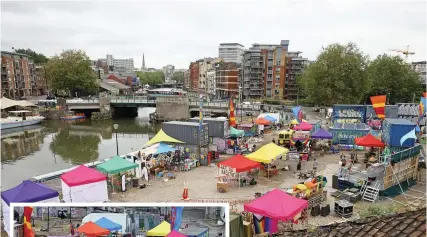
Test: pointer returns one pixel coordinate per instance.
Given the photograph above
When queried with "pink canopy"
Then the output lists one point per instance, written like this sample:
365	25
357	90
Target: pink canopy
82	175
303	126
175	233
277	205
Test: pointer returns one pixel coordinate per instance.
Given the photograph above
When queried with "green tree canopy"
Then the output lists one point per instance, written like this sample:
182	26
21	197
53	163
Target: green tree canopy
338	76
38	58
178	77
151	78
391	76
71	71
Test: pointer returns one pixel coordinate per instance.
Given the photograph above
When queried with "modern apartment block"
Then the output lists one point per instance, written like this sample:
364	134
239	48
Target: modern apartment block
420	68
112	62
231	52
227	79
269	71
20	77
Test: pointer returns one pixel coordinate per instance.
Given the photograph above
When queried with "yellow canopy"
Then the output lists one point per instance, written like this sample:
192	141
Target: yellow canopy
294	122
162	137
162	229
267	153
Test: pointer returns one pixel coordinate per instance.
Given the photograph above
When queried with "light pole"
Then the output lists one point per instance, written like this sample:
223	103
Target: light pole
241	105
116	126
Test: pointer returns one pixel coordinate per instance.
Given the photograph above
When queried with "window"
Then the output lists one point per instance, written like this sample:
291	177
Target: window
278	62
277	69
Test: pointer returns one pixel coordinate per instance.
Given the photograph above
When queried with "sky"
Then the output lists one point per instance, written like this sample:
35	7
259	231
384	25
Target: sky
179	32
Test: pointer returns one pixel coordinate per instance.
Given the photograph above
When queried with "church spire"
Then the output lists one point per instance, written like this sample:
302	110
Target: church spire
143	62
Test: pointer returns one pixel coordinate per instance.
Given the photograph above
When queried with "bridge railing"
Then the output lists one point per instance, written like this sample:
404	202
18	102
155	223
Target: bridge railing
132	99
83	101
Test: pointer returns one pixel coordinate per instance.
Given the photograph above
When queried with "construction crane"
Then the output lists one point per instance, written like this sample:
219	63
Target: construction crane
404	52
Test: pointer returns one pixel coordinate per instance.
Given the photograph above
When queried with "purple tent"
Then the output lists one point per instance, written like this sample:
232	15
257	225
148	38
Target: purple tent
28	191
321	134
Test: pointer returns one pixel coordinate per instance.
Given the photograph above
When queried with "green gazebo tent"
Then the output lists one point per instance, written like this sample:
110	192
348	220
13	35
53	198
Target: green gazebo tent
236	132
116	165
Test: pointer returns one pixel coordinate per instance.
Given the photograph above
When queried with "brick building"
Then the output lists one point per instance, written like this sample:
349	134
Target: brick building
16	80
227	79
194	76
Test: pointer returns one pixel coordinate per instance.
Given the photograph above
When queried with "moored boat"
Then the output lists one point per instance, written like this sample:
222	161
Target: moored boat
20	118
73	116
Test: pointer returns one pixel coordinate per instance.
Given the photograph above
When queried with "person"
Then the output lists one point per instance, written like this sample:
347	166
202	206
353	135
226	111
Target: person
315	164
299	165
72	229
144	172
77	231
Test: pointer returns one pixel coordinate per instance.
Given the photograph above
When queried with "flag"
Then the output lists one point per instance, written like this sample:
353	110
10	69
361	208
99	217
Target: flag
176	218
378	102
422	109
409	135
28	229
231	116
201	113
296	111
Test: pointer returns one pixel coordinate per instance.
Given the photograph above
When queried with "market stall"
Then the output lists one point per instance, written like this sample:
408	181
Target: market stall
115	166
236	132
163	229
321	134
108	224
263	125
275	206
175	233
29	192
236	168
84	184
370	141
249	128
303	126
161	136
267	154
92	230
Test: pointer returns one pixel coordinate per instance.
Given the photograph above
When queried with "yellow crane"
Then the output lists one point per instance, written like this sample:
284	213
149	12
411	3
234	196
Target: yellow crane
404	52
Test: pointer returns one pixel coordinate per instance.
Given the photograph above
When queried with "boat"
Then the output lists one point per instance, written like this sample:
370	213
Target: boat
20	118
73	117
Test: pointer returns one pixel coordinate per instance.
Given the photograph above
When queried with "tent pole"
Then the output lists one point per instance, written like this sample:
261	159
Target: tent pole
112	184
239	180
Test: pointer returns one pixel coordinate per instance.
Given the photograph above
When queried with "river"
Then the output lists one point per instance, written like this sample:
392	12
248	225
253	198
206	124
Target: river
55	144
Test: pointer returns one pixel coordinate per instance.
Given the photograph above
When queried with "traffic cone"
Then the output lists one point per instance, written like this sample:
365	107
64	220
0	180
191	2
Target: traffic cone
185	193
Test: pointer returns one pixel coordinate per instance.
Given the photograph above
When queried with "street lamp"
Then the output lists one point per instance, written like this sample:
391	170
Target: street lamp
116	126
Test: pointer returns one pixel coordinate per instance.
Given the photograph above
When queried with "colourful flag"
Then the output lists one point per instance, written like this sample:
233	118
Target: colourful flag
232	117
409	135
176	217
28	229
422	109
378	102
297	113
201	113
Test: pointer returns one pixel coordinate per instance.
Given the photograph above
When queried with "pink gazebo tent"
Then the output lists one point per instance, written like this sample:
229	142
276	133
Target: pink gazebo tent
277	205
175	233
303	126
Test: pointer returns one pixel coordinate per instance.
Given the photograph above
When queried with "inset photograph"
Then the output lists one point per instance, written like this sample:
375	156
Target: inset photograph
115	220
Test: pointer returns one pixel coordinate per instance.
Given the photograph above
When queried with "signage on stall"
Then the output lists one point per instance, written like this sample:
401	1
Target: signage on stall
228	171
293	156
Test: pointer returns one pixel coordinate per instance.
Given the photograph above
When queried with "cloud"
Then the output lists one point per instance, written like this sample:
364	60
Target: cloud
178	32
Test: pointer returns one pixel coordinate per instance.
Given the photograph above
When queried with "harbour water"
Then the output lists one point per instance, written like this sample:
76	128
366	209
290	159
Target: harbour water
55	144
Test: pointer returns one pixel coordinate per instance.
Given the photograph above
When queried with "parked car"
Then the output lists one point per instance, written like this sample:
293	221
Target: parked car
421	162
50	97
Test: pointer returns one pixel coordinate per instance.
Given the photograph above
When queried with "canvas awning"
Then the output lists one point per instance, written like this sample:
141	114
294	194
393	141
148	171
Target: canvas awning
236	132
267	153
161	136
175	233
162	229
7	103
368	141
277	205
303	126
92	229
116	165
262	121
240	163
108	224
82	175
28	191
321	134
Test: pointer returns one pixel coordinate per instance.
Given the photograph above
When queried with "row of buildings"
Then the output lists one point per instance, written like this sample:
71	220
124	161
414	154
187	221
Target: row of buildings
262	71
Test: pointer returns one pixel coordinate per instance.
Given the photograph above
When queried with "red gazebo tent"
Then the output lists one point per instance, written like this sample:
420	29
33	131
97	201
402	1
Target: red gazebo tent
277	205
303	126
93	230
368	141
240	163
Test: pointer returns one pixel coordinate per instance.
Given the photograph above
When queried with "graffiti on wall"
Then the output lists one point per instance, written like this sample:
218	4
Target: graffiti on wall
386	133
347	120
349	113
374	124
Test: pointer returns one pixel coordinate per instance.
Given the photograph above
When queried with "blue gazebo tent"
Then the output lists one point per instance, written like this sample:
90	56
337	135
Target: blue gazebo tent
270	118
163	148
108	224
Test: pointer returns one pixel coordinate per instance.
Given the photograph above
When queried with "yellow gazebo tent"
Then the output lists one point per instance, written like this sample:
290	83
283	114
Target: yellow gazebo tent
267	153
162	229
162	137
294	122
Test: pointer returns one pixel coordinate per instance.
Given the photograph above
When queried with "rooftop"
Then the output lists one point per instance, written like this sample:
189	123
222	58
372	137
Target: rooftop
399	121
227	44
13	53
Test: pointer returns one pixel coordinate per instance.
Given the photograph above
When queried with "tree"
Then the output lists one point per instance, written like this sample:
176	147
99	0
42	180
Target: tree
391	76
178	77
37	58
151	78
337	76
71	71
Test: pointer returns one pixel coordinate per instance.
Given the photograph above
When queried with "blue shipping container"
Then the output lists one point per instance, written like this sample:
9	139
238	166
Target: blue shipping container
394	129
344	134
348	113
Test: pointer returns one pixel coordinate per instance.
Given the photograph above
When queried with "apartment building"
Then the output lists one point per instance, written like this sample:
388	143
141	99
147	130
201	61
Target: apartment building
420	68
211	82
198	73
187	82
168	71
227	79
231	52
19	76
112	63
194	76
295	65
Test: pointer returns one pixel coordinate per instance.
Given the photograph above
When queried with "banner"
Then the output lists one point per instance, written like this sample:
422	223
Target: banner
378	103
176	218
201	114
232	117
28	229
297	111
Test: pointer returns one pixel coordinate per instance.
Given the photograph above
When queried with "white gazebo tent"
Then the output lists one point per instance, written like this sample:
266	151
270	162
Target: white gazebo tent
84	184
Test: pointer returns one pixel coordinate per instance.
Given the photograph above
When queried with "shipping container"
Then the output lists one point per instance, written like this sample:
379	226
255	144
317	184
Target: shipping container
391	111
348	113
218	127
188	132
394	129
344	134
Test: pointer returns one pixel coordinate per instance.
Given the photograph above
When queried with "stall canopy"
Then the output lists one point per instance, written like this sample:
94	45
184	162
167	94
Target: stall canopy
304	126
116	165
163	148
28	191
277	205
108	224
368	141
270	118
262	121
240	163
162	229
175	233
236	132
92	229
294	122
82	175
321	134
267	153
7	103
161	136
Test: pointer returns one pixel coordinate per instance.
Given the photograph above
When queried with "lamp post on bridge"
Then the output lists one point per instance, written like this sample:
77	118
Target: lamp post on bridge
116	126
